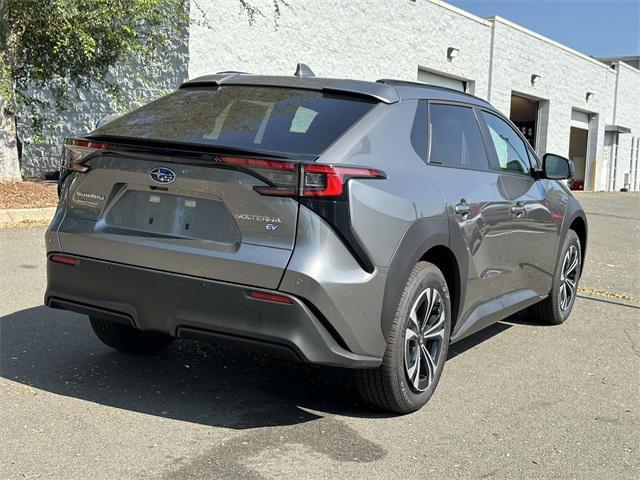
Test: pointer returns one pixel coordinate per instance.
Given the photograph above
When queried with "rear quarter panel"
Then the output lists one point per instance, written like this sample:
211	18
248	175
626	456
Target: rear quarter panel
382	214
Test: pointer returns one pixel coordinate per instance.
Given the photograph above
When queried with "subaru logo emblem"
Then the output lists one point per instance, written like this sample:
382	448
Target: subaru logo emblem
162	175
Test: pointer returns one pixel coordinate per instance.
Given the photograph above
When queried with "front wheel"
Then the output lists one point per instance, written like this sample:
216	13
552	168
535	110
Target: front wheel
556	308
417	345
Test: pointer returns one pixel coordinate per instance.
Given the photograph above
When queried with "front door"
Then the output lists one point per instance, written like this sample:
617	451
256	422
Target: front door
536	213
478	210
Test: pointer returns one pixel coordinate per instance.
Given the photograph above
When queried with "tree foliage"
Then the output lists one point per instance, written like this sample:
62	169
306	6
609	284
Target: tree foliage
59	45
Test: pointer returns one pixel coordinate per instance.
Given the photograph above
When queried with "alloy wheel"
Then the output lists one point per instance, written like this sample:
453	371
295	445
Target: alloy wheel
568	278
423	339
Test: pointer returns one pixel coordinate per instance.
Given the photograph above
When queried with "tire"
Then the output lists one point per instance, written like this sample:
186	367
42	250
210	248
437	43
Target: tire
553	310
392	386
127	339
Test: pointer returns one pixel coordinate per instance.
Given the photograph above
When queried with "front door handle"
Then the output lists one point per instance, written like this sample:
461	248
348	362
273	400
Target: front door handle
518	209
462	208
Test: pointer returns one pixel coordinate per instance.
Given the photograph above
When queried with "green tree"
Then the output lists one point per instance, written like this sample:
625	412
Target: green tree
61	45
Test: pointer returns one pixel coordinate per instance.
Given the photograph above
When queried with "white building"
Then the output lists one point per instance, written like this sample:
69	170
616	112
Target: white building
564	101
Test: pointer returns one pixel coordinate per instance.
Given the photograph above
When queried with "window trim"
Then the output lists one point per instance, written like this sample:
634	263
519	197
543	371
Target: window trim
493	162
473	109
532	151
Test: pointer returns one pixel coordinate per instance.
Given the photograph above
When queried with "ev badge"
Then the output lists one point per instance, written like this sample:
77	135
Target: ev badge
272	226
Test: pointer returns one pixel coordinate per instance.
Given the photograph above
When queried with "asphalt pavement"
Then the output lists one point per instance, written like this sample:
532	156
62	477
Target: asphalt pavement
517	400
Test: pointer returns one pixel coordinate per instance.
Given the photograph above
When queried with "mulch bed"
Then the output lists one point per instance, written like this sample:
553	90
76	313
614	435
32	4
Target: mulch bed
27	195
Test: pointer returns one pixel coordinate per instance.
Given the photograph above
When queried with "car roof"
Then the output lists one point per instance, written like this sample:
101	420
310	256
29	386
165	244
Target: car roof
420	90
384	90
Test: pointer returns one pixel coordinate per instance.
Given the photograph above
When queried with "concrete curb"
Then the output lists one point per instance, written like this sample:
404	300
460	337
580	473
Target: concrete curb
17	216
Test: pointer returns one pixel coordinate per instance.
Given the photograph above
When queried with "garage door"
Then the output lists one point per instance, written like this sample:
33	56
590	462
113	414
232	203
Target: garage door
442	80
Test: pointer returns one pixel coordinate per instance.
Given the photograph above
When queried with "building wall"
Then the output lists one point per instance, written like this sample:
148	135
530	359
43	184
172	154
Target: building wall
565	77
626	113
345	39
381	38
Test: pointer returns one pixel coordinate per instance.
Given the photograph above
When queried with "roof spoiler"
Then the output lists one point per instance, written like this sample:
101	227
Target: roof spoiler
303	78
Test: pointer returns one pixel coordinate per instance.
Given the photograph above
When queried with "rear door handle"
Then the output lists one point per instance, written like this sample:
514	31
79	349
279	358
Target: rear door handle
462	208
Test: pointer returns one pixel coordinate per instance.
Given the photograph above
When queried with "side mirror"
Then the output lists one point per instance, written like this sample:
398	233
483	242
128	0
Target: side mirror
556	167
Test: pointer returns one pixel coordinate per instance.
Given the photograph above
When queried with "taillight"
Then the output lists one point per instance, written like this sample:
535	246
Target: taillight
293	179
76	150
281	175
320	180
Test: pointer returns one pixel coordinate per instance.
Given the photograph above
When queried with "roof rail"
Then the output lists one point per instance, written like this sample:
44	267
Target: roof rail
410	83
232	71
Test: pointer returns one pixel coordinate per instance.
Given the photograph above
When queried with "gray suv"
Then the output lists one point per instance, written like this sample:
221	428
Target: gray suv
354	224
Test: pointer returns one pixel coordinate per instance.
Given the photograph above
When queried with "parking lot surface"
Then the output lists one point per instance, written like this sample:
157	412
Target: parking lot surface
518	400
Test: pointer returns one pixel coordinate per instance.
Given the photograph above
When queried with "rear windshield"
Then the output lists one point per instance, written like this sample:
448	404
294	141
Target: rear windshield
283	120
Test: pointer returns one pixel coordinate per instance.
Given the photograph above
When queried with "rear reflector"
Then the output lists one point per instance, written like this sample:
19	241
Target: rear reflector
64	259
294	179
270	297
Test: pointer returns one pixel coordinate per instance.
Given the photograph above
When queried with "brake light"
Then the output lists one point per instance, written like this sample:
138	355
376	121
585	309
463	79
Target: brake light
76	150
78	142
328	180
294	179
281	175
259	163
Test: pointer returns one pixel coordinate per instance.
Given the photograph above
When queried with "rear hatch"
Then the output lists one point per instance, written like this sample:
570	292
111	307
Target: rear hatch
202	182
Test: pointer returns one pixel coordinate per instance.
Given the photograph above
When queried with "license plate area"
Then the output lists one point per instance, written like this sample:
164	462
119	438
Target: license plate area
172	215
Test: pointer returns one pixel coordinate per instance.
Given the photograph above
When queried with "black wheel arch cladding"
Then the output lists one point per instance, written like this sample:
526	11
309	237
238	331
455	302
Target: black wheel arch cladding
422	236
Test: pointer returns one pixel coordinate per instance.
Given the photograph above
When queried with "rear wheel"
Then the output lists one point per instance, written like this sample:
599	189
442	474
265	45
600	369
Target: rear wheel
417	345
557	307
127	339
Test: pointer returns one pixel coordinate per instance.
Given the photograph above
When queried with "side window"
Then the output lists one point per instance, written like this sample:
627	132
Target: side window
509	147
455	138
419	130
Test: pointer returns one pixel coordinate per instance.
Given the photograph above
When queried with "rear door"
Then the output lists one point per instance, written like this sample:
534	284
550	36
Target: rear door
478	208
179	185
536	210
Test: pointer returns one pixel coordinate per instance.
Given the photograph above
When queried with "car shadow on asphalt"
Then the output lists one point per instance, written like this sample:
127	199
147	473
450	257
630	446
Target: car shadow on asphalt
56	351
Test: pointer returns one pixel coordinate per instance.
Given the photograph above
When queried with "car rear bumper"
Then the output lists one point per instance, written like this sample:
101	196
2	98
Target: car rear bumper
192	307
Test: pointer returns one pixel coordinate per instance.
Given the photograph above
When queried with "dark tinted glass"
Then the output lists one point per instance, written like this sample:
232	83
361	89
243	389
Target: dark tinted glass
455	137
419	130
509	147
283	120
